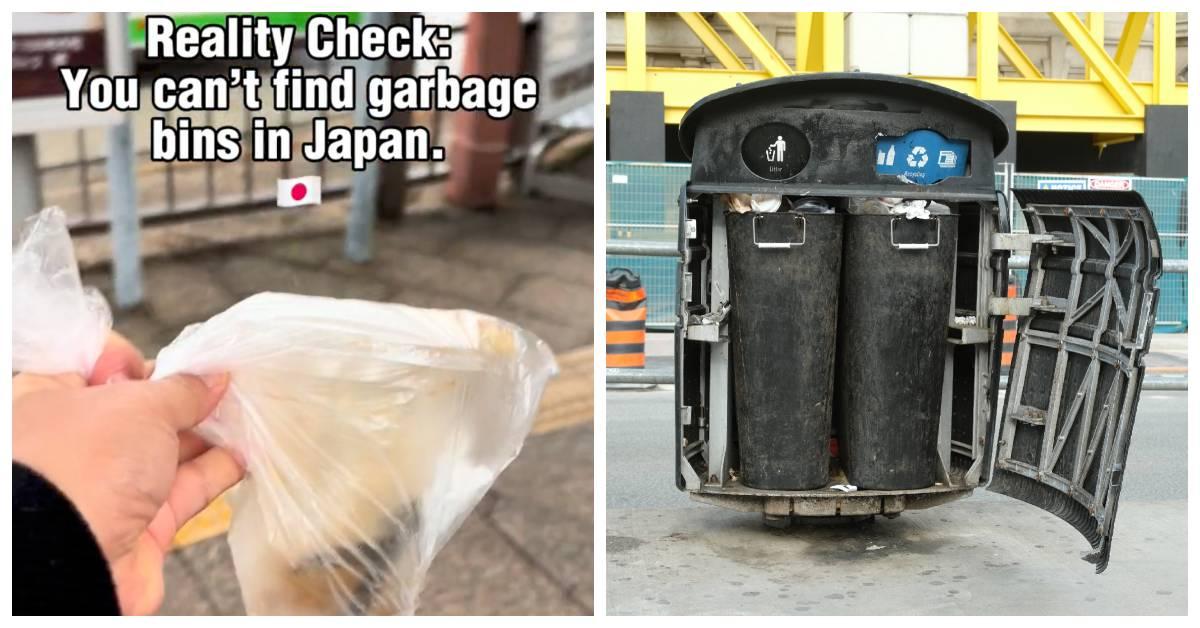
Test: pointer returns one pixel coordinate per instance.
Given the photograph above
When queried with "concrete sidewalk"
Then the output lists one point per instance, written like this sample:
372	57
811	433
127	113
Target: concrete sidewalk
527	549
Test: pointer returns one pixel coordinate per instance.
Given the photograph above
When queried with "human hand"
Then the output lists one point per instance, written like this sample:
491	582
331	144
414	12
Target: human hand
123	453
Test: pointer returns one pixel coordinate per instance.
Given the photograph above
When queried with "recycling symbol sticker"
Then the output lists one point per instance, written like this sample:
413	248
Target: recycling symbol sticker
918	157
907	157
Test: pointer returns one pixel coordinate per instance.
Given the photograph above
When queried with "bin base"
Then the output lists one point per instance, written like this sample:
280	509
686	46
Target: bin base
826	502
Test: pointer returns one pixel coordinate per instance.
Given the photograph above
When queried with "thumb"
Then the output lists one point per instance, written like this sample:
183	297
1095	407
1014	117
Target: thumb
120	358
180	401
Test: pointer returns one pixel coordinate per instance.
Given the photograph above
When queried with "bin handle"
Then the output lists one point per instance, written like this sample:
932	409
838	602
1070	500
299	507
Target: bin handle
779	245
917	246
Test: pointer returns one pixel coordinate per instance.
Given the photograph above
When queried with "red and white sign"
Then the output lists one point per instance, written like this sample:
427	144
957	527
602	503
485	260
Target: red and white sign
1110	183
41	44
298	191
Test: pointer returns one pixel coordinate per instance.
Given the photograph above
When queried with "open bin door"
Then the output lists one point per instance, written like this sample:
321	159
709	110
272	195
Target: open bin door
1077	368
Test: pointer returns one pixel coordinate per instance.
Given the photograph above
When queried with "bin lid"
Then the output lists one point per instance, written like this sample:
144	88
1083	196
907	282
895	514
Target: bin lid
785	88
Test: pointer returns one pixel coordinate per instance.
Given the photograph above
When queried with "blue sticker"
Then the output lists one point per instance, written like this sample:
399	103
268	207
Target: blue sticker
921	157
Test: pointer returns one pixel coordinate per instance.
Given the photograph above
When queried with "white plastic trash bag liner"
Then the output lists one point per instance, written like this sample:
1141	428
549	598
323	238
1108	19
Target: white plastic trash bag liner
369	431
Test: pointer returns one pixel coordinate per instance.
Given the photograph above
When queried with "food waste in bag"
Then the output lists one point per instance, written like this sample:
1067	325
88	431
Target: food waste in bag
369	430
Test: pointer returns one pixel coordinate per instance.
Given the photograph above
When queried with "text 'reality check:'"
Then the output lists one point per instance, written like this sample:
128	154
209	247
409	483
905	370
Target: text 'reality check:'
328	37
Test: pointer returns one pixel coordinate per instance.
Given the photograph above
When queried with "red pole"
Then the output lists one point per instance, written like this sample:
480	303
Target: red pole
479	144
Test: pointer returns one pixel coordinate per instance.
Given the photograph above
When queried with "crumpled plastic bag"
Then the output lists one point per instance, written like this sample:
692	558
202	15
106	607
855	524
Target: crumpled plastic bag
369	431
758	203
918	209
58	325
911	209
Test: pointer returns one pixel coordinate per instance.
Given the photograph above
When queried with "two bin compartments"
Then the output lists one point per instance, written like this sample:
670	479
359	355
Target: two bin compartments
845	312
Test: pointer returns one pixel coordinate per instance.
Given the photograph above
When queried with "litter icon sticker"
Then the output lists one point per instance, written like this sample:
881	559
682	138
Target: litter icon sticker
775	151
921	157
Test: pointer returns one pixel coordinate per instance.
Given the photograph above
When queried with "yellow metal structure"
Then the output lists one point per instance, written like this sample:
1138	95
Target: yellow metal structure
1107	103
635	52
987	59
1113	79
711	40
759	47
826	40
1016	56
1164	58
1131	39
1095	24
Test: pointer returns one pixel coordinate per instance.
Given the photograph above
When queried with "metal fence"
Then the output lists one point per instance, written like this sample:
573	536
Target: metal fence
1167	200
70	171
643	207
84	172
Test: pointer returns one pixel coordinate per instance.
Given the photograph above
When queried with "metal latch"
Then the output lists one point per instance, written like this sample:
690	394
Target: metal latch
1024	241
689	229
1016	306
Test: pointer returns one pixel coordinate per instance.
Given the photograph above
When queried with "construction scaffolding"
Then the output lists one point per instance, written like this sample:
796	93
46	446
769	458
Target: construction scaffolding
1106	102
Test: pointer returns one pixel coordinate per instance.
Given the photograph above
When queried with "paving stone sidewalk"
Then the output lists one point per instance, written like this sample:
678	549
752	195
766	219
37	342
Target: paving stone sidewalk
527	549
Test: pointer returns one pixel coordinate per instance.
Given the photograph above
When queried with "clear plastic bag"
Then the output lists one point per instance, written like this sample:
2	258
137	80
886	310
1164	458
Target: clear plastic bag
58	325
369	431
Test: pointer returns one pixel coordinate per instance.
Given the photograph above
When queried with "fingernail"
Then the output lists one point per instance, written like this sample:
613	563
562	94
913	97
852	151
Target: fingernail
119	376
215	380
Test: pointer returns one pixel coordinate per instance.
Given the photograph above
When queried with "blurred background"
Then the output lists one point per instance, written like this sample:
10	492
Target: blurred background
503	226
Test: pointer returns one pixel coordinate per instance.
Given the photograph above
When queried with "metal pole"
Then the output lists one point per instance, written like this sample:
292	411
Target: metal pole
667	377
124	228
364	187
642	248
638	376
392	192
649	248
26	182
1180	266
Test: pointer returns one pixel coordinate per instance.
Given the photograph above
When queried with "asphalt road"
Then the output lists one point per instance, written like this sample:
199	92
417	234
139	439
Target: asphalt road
986	554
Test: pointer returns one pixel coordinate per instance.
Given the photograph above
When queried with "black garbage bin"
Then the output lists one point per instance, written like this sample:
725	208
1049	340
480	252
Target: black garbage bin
847	335
784	269
895	309
904	171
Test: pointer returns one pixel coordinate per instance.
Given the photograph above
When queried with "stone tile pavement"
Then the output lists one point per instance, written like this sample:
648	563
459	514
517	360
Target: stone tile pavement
527	549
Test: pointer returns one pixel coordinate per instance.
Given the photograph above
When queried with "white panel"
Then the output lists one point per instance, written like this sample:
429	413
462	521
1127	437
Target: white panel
877	42
938	44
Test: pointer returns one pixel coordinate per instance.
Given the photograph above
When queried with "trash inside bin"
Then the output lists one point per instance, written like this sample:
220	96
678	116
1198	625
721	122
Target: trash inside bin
784	293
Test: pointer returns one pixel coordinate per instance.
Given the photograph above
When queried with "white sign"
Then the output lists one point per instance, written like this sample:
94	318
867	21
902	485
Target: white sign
1110	183
1061	184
